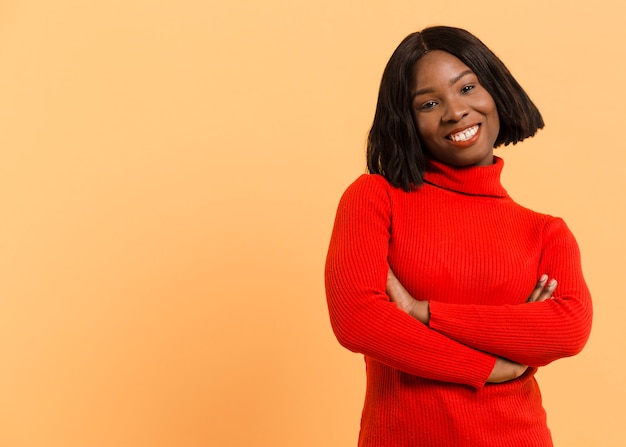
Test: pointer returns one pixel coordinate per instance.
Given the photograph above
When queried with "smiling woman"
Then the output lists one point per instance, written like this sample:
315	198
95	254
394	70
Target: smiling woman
394	136
435	274
455	117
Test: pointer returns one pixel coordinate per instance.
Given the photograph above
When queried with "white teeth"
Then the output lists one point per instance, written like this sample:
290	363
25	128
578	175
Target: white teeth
465	135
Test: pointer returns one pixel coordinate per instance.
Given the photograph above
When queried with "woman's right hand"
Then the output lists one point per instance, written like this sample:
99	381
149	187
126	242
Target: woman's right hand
505	370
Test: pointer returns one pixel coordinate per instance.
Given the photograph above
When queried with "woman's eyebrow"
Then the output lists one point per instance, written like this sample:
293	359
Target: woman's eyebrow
453	81
456	79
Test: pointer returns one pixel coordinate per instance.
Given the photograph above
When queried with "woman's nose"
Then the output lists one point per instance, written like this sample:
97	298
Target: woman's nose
455	110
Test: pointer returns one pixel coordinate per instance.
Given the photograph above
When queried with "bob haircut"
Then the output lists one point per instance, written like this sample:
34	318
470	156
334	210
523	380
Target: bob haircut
394	149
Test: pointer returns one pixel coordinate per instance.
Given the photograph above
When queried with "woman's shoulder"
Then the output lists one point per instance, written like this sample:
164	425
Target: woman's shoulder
554	226
368	184
548	223
370	181
366	190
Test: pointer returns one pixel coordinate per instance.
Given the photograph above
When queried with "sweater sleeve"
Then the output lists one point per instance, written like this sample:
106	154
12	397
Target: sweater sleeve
533	334
361	314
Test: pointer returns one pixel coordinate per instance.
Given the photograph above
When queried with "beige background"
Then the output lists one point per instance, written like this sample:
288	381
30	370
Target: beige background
169	174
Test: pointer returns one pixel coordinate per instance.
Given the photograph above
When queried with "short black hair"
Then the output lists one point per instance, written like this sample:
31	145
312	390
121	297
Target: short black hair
393	146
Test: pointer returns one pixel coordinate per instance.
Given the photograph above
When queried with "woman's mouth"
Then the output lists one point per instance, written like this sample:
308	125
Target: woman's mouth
464	135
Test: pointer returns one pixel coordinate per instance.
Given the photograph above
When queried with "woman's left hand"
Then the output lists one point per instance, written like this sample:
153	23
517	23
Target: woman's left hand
405	302
543	290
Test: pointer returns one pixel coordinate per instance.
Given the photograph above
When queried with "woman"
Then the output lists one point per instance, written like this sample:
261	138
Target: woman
447	286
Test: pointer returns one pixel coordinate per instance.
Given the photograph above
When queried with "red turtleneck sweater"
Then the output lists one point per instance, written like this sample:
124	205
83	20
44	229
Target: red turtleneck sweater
460	242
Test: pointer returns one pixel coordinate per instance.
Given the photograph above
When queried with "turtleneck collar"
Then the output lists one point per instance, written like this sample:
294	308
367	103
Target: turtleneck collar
473	180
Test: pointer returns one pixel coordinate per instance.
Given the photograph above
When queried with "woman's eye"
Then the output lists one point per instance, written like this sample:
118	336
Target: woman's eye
467	88
428	105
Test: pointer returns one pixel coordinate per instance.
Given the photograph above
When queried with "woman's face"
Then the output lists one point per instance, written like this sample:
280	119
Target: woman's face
456	118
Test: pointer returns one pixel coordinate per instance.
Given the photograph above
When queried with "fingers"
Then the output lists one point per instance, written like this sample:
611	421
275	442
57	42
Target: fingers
390	279
539	287
394	286
543	290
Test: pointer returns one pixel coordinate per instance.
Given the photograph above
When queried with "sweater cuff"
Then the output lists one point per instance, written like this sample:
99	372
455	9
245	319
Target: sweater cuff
444	318
483	369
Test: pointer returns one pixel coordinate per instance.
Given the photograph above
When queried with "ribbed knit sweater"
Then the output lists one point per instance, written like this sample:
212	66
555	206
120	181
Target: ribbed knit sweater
460	242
